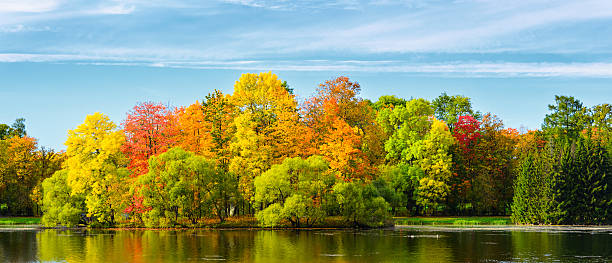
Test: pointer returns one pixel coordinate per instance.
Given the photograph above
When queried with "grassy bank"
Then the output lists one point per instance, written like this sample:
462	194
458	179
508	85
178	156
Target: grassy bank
243	222
458	221
19	220
329	222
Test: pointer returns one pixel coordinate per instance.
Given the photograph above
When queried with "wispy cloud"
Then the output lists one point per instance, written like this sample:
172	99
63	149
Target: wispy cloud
23	28
167	33
296	4
456	27
28	6
114	9
448	69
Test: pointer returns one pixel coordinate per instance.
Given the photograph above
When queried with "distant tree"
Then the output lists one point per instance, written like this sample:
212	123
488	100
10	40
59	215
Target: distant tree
449	108
16	129
567	119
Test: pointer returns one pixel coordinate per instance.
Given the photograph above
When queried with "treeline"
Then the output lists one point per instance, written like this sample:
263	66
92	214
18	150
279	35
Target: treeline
258	151
23	166
565	174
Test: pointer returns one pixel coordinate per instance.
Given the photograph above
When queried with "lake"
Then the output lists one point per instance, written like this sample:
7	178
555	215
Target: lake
400	244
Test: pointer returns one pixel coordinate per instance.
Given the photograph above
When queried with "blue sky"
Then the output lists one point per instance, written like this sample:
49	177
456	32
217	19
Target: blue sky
63	59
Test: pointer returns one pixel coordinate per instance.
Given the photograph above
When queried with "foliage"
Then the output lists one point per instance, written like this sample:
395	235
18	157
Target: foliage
62	207
150	129
450	108
97	168
294	191
16	129
206	128
266	127
361	205
23	166
257	153
183	186
566	184
344	129
567	119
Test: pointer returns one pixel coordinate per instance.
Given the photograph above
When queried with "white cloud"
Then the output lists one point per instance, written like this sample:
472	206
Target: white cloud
28	6
449	69
23	28
117	9
459	26
296	4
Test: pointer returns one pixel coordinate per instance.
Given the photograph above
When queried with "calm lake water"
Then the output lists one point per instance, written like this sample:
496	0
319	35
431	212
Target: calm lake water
402	244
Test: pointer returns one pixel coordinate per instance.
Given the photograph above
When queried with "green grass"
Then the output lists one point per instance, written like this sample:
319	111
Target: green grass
457	221
19	220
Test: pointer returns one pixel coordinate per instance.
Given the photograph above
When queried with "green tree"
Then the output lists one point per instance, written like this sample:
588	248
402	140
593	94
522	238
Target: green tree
567	119
61	206
402	181
181	186
361	205
18	129
294	191
388	101
449	108
566	183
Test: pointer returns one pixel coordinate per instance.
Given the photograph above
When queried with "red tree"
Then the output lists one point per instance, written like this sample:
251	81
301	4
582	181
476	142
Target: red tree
467	132
150	129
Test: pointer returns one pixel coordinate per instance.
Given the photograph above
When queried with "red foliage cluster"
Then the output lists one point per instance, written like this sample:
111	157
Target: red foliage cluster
149	130
467	132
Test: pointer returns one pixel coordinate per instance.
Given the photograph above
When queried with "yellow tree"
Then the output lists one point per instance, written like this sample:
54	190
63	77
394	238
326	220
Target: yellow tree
432	155
18	173
96	167
267	127
219	114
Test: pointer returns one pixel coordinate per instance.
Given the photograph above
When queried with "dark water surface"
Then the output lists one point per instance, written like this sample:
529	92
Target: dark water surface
402	244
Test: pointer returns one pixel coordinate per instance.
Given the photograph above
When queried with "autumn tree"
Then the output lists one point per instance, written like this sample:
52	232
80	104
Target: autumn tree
267	127
345	130
18	174
207	128
96	167
150	129
496	170
419	139
466	159
23	166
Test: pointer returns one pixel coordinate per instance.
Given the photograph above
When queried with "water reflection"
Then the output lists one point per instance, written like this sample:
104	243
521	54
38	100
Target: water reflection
403	244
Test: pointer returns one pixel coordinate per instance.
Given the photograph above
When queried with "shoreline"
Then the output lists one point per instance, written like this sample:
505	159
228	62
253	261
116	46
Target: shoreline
522	228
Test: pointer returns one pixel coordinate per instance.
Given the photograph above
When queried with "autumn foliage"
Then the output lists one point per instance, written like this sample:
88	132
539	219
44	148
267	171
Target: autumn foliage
150	129
263	151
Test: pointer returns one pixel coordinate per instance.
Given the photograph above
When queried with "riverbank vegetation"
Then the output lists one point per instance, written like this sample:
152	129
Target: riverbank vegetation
19	220
260	153
453	220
